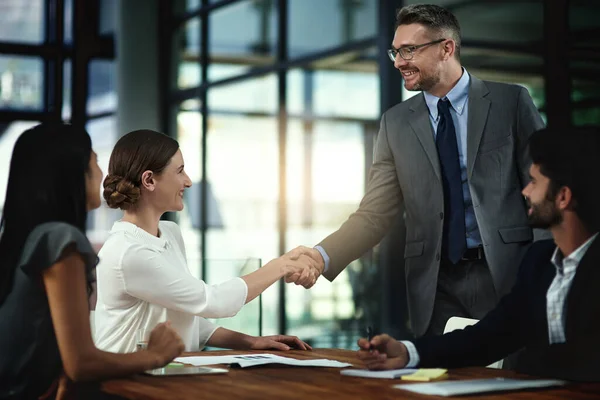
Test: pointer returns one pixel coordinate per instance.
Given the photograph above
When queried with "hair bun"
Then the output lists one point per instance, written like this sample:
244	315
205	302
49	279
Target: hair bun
120	192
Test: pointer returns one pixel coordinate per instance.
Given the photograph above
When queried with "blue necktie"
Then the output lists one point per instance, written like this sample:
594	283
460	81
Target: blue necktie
454	242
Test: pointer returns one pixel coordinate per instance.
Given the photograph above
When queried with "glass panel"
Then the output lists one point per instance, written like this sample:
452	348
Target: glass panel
102	95
103	132
21	82
108	17
189	136
505	22
584	23
186	54
182	6
242	168
248	318
501	59
67	76
325	183
243	178
68	32
9	133
345	86
22	21
584	63
253	95
332	23
252	42
585	96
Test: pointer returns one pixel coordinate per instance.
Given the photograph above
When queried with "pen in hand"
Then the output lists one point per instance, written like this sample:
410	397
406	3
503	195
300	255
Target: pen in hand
369	336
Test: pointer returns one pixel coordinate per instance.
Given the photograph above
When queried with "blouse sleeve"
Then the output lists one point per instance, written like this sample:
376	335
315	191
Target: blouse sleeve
46	244
147	277
207	329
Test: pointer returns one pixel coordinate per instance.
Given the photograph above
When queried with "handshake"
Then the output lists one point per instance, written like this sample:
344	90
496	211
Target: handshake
302	266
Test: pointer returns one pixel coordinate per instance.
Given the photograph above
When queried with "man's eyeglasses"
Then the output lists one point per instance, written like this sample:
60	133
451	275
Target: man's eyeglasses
408	52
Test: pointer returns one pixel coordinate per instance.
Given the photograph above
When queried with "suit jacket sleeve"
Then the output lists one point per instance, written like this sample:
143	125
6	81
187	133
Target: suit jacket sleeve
501	332
367	226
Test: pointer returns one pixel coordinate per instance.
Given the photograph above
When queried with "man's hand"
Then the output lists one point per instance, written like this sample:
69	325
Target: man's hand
308	277
383	352
279	342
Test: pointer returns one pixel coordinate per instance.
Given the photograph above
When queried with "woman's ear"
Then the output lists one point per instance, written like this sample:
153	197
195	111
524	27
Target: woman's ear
148	181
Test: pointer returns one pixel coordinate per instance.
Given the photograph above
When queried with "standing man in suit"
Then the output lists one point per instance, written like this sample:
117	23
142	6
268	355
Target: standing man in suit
553	311
456	158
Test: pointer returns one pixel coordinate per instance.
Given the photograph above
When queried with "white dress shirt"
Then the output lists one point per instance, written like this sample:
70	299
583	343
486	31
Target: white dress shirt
143	280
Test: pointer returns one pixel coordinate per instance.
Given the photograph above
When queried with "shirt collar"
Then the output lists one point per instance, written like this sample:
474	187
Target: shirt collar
139	233
457	96
574	258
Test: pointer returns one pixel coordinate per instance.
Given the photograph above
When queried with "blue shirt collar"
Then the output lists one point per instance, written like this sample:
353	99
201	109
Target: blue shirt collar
457	96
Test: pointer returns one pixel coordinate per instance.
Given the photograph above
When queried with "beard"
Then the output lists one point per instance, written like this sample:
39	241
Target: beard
425	83
544	215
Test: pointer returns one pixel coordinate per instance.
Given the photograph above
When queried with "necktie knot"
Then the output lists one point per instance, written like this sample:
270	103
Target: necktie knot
443	106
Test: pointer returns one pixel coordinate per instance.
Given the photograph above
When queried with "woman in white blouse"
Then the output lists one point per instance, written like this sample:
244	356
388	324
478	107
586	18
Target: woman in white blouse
143	278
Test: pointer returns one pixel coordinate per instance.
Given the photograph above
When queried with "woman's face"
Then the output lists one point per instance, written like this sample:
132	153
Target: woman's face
170	185
93	181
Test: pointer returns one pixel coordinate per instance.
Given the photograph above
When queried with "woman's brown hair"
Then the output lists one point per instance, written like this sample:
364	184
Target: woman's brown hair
136	152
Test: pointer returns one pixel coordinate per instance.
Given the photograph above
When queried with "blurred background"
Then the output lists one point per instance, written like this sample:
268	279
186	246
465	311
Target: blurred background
276	105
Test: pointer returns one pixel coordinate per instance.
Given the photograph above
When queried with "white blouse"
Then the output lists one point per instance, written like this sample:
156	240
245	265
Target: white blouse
143	280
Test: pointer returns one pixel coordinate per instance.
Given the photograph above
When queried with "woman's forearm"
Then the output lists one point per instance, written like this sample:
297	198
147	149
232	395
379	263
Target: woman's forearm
99	364
228	339
261	279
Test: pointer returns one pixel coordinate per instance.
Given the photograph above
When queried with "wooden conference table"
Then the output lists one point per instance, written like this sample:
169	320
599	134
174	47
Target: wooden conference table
285	382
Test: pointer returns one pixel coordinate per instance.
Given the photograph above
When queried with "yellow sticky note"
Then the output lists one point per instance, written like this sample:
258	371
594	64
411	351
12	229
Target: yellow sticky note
426	374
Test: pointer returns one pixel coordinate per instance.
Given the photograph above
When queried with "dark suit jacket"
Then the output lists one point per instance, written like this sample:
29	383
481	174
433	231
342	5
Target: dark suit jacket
406	175
519	322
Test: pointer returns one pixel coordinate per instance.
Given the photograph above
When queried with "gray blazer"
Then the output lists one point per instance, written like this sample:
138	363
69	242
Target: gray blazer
406	171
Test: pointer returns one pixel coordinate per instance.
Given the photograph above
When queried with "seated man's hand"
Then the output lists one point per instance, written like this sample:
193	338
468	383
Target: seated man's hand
308	277
383	352
279	342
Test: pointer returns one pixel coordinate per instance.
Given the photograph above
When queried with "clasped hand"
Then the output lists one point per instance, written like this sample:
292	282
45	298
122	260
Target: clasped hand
311	266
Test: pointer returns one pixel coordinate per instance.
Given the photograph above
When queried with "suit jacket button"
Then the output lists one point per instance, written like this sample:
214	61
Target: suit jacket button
441	215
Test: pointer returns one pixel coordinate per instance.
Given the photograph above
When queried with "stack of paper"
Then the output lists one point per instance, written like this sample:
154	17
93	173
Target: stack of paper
457	388
252	360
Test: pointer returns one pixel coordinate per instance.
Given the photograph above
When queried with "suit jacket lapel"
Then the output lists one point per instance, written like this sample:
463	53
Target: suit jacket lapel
421	125
479	108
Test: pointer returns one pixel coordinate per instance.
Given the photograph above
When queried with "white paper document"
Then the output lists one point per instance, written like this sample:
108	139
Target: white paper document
390	374
457	388
252	360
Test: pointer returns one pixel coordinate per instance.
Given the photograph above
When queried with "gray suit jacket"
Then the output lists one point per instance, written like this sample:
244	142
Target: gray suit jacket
406	171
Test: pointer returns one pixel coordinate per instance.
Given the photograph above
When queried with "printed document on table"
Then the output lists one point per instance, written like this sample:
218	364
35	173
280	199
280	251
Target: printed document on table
458	388
252	360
